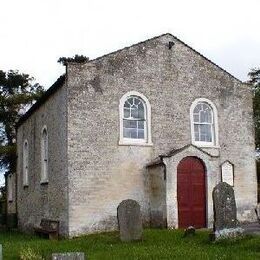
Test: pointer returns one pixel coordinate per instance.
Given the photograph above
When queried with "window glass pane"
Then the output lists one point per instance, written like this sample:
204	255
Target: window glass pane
130	133
208	133
130	101
141	111
136	101
126	112
205	116
140	124
45	144
196	118
205	133
130	124
126	133
126	105
197	108
196	132
133	133
134	112
140	133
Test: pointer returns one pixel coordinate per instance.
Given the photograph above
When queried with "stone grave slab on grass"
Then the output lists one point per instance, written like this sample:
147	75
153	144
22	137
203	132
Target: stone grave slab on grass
225	212
69	256
129	220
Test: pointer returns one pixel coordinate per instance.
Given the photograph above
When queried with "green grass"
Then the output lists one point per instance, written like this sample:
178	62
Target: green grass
156	244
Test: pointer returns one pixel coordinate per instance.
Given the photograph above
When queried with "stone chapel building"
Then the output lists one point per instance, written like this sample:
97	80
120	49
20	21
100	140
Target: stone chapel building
156	122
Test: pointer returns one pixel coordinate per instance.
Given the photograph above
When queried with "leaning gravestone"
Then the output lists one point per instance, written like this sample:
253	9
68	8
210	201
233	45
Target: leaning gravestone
225	212
68	256
129	220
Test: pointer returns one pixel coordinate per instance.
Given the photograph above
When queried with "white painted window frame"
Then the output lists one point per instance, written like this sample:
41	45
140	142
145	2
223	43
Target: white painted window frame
147	141
44	163
215	140
10	188
25	163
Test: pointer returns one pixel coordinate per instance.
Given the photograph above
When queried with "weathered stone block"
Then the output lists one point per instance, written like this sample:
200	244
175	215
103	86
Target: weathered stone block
69	256
225	212
129	220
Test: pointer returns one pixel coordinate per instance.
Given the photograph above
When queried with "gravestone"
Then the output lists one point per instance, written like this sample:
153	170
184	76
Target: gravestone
69	256
1	253
225	212
227	173
129	220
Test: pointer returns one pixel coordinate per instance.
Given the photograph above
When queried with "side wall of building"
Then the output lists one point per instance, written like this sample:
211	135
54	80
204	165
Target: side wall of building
102	172
49	200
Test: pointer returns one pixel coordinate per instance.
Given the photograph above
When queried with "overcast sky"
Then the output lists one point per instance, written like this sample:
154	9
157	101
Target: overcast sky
35	33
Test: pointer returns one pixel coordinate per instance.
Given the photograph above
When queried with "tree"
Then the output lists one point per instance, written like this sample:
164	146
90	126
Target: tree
17	94
254	75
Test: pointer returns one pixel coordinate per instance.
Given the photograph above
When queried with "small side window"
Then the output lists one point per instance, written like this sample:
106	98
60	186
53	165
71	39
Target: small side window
10	188
44	156
25	163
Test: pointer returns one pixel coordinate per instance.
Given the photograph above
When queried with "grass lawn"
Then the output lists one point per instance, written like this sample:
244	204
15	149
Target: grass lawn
156	244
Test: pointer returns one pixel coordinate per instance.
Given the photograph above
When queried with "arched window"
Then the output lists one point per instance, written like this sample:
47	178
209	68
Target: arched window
10	188
135	119
25	163
44	156
204	123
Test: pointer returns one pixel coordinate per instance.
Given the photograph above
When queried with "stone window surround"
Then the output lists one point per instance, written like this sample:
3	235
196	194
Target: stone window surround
215	142
44	175
138	142
25	163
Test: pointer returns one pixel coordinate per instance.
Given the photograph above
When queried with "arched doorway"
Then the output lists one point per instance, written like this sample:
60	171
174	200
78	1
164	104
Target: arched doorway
191	193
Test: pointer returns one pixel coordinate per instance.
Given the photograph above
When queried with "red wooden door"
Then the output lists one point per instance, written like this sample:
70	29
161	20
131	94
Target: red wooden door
191	193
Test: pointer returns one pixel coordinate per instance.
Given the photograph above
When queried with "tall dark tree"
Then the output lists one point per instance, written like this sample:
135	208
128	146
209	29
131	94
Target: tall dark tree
17	94
254	75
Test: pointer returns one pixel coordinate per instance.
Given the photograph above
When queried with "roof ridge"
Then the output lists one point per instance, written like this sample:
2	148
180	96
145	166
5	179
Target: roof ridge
130	46
161	35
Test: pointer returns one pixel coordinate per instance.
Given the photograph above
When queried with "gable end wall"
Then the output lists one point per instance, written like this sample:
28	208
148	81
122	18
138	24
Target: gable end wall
102	173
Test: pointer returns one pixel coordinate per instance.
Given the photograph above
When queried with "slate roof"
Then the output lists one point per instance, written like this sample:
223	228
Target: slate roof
58	83
159	160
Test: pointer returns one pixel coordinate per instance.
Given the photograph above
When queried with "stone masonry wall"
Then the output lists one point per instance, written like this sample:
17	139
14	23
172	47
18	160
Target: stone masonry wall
50	200
102	173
